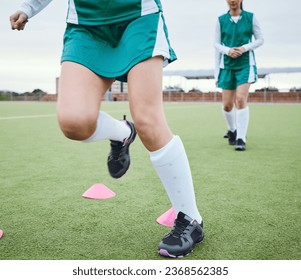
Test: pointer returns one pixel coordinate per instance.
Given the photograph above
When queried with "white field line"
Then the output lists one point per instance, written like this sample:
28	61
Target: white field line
109	111
27	117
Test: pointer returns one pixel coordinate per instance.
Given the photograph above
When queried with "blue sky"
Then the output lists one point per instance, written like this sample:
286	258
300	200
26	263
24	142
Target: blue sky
30	59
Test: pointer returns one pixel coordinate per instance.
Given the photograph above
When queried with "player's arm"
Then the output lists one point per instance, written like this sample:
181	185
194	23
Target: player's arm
28	9
217	64
232	52
257	35
217	41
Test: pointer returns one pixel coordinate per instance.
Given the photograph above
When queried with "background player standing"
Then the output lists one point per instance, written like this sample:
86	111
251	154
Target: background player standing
235	67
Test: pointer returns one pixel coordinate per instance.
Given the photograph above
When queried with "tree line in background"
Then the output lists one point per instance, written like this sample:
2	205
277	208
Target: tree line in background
36	94
292	94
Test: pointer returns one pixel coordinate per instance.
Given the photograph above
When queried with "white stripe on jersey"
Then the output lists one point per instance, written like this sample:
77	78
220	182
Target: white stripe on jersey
148	7
72	14
251	58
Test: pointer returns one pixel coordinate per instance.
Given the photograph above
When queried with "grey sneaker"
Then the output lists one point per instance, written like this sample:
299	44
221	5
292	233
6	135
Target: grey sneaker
119	157
181	240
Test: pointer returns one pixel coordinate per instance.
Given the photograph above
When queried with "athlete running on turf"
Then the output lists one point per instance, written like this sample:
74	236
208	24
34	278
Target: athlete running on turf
128	41
236	68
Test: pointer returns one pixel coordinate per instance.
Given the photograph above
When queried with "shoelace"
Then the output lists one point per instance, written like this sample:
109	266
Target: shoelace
179	228
116	147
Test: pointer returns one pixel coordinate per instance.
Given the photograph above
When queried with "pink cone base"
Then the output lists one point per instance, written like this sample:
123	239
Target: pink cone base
98	191
1	233
167	219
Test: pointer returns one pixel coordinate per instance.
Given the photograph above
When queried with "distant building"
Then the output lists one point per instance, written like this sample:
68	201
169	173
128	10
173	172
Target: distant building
119	87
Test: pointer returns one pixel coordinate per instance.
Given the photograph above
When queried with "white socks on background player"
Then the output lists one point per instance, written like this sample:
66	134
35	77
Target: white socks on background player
230	118
238	119
242	123
172	167
109	128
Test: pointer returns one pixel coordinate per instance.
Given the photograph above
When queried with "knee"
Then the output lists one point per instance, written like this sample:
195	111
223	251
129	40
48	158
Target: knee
75	126
153	131
228	107
241	102
144	127
150	128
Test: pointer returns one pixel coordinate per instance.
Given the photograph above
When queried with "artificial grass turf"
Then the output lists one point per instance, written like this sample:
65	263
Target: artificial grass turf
250	201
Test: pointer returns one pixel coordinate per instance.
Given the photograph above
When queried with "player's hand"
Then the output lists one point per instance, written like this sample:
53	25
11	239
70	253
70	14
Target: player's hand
234	53
240	50
18	20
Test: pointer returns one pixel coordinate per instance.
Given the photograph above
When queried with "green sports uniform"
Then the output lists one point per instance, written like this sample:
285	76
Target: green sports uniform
241	70
111	36
230	79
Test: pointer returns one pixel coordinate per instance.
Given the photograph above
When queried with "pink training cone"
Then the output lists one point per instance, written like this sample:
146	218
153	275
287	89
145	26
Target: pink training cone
98	191
167	219
1	233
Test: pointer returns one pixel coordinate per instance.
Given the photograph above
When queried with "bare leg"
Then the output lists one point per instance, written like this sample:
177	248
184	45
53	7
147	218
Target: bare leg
242	93
228	99
79	100
167	152
146	103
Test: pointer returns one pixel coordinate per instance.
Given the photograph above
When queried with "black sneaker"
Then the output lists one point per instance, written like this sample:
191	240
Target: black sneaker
240	145
226	135
119	156
232	137
181	240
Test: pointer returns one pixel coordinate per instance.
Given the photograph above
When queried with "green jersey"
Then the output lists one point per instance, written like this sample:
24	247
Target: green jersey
236	34
99	12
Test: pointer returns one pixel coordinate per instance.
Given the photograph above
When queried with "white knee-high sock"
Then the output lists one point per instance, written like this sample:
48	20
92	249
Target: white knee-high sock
242	123
230	118
109	128
172	167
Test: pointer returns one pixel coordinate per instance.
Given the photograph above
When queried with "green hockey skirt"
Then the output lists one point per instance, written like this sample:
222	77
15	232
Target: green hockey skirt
112	50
